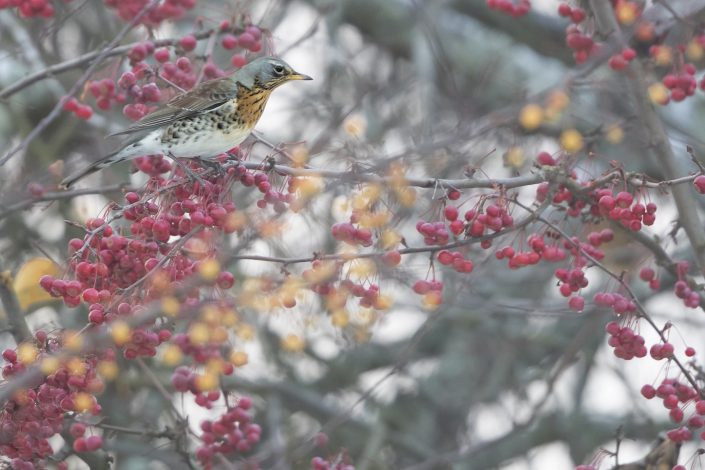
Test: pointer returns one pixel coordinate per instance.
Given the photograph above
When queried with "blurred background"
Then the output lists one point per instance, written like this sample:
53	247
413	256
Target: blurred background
503	374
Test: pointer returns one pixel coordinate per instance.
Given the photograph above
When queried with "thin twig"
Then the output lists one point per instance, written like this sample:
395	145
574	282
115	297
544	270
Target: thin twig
84	59
60	196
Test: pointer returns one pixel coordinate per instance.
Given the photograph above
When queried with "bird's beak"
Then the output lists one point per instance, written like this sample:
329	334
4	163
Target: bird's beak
299	76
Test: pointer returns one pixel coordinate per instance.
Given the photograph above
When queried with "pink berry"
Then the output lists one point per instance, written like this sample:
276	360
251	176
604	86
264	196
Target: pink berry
576	303
564	9
188	43
648	392
77	429
91	296
84	112
238	60
162	54
699	183
229	41
94	443
646	274
450	213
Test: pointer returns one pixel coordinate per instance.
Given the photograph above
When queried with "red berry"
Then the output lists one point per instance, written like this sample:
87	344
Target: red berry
94	443
84	112
229	41
699	183
188	43
545	158
617	62
576	303
676	415
421	287
646	274
577	15
91	296
71	105
648	392
700	407
238	60
10	355
391	258
564	9
453	194
451	213
77	430
96	317
162	54
629	54
79	445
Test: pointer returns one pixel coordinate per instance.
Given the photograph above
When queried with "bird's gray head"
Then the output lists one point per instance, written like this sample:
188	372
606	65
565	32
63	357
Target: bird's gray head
267	73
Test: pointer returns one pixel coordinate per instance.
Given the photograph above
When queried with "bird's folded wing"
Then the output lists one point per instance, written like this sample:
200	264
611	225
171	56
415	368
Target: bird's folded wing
205	97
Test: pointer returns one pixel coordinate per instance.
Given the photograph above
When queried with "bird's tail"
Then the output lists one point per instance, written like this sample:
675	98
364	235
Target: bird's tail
98	165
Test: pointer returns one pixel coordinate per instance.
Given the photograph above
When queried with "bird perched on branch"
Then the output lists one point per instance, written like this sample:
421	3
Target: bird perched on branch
206	121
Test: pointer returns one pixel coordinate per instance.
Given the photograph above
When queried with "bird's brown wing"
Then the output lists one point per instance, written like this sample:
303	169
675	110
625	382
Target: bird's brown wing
205	97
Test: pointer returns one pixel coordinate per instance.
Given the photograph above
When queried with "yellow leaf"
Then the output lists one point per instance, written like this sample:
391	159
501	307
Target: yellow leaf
26	283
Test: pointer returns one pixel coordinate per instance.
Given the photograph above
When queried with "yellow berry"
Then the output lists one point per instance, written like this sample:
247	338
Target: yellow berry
432	300
76	366
83	402
27	353
531	117
72	340
664	56
299	155
49	365
199	334
557	101
694	51
108	369
171	306
571	140
658	93
627	12
340	319
120	332
293	343
514	158
615	134
355	125
239	358
209	269
207	382
172	355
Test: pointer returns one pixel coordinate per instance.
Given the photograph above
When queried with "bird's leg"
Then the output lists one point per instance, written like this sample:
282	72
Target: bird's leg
213	165
191	175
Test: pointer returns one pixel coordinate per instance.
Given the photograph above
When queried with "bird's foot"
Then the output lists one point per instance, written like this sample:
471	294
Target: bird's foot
213	165
193	176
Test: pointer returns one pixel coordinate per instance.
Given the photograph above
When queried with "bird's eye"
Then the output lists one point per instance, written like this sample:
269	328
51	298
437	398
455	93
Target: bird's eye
279	70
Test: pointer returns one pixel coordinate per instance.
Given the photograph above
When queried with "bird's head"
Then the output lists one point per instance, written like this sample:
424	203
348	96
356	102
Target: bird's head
268	73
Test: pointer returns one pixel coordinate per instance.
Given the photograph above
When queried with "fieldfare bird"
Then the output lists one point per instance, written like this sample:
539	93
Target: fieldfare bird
206	121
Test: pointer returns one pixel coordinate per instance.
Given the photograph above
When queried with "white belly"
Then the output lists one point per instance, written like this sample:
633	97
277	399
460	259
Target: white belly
198	145
206	146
